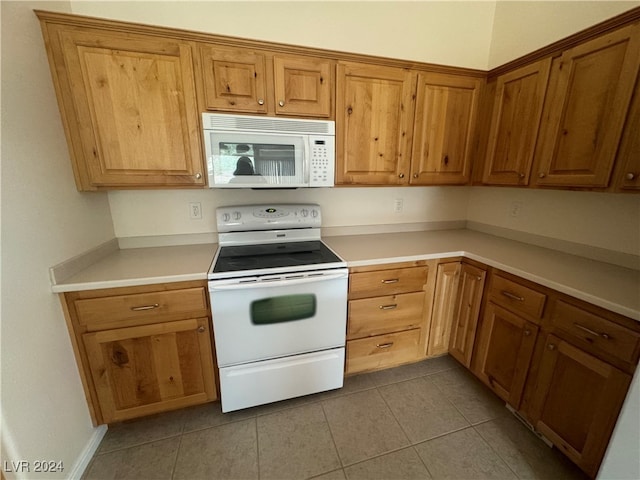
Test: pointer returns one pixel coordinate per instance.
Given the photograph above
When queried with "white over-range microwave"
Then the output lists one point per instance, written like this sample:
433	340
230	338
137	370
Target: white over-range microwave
266	152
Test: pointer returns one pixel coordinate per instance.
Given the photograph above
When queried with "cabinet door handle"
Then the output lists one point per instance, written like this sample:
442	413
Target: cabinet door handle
145	307
630	176
551	346
201	329
512	296
281	103
260	101
527	333
401	175
385	345
391	280
591	332
388	307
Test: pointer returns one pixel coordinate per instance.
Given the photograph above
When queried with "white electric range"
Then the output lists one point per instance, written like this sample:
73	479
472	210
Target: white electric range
279	305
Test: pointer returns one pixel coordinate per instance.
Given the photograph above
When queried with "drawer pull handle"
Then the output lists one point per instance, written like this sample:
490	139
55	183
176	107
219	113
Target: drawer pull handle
512	296
388	307
385	345
145	307
591	332
391	280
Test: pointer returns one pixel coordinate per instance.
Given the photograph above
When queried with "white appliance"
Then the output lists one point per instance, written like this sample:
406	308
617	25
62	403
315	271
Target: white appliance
265	152
279	305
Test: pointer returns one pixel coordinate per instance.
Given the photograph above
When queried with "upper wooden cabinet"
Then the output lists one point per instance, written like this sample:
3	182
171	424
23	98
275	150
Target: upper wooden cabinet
515	120
374	114
445	119
627	174
248	81
128	107
590	88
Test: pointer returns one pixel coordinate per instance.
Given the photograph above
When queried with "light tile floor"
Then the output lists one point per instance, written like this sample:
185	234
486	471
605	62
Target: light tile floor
430	419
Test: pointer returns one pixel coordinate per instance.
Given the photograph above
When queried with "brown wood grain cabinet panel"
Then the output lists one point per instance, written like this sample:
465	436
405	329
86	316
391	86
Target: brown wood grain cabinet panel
444	307
373	316
234	80
151	368
383	351
374	115
628	161
303	86
576	402
444	126
504	351
515	121
465	321
129	107
590	89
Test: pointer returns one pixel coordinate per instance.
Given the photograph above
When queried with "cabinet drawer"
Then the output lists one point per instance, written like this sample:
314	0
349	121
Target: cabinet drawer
387	282
107	312
382	350
599	332
373	316
516	297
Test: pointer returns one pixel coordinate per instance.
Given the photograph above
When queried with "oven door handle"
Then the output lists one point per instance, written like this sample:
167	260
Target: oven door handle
213	287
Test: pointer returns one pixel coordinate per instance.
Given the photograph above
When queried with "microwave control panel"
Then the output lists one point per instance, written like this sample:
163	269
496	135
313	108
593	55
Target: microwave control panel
322	161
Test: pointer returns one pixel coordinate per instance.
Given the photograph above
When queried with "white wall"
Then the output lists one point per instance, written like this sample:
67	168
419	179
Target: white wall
451	33
44	221
520	27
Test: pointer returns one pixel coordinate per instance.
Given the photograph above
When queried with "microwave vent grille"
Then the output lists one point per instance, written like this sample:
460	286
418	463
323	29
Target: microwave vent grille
267	124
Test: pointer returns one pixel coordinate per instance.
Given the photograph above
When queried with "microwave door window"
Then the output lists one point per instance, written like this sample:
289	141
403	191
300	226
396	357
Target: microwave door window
256	160
277	162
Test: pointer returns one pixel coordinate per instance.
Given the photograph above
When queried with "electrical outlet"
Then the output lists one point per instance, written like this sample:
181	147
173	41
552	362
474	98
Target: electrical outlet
516	208
398	205
195	211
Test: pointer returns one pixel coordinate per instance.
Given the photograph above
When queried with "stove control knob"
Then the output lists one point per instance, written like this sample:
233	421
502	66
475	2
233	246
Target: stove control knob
226	217
304	212
237	215
314	213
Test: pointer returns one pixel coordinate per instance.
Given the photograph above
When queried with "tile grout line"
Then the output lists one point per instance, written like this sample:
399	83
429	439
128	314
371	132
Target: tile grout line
175	460
255	420
332	437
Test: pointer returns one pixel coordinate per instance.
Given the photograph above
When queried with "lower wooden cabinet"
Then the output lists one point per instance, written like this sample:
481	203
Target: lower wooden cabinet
465	321
444	308
576	401
503	354
150	368
142	350
387	314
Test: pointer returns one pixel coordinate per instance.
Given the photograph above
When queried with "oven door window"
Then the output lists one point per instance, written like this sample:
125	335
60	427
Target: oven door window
255	159
285	308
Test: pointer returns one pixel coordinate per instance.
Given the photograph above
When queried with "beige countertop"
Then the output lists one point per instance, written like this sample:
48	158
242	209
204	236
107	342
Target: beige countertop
609	286
143	266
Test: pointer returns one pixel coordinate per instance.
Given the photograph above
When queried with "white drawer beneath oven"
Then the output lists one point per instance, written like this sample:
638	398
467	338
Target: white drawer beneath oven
252	384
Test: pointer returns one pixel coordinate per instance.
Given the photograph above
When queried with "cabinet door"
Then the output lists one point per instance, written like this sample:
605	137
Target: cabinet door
303	86
628	161
444	307
465	321
446	110
148	369
131	106
374	111
517	109
233	79
504	351
576	402
590	90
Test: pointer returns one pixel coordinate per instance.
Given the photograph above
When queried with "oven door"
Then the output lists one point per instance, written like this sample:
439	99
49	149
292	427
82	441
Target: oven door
256	160
270	317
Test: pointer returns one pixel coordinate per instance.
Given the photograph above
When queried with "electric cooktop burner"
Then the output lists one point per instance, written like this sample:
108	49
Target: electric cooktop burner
274	255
